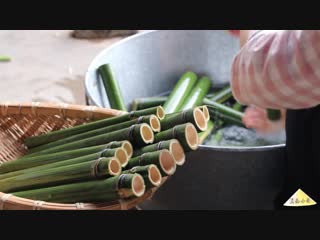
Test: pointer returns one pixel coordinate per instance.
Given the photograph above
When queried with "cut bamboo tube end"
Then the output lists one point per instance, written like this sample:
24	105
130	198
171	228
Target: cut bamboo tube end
154	175
206	112
191	135
160	112
155	123
114	167
146	133
177	151
128	147
138	186
122	156
167	162
200	119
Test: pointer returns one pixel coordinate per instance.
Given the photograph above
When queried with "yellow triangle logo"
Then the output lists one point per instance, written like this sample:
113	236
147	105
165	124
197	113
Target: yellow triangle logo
299	199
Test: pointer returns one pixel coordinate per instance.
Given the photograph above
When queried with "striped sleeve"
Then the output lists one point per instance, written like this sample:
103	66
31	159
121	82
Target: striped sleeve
278	69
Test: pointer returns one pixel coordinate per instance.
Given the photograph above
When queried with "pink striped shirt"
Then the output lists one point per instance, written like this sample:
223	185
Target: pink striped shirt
278	69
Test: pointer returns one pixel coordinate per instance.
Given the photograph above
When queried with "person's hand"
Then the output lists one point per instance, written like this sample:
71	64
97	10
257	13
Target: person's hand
257	118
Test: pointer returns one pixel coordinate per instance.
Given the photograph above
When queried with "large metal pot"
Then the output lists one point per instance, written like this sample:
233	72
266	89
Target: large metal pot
149	64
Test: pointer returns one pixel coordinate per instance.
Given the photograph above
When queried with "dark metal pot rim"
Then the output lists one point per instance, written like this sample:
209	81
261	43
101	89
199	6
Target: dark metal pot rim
241	149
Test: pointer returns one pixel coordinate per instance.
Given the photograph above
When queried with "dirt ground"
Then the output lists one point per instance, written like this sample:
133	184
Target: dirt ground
46	65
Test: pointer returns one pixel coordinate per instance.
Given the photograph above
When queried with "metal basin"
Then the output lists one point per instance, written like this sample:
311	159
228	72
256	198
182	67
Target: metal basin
149	64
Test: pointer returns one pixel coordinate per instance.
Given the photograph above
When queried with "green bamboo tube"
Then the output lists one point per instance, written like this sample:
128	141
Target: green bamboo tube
196	96
84	151
148	102
274	114
111	87
42	163
150	173
222	96
118	153
139	135
111	189
238	107
173	145
63	133
211	94
5	59
205	111
96	169
204	135
180	92
152	120
194	116
79	152
163	159
186	134
222	109
29	161
225	118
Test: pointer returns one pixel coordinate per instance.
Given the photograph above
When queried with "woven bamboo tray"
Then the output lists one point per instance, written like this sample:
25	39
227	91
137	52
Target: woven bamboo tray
18	121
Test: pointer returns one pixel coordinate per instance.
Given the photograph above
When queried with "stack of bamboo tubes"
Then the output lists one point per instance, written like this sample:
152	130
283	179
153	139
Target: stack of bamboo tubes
106	160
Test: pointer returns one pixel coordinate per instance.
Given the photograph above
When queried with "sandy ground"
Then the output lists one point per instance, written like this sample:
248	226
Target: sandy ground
46	66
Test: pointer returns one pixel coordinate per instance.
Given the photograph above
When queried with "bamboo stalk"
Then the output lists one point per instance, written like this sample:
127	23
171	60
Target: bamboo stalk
101	168
140	135
238	107
180	92
63	133
224	110
163	159
196	96
194	116
5	59
81	152
204	135
111	87
222	96
78	152
205	111
211	94
225	118
173	145
111	189
148	102
32	161
118	153
150	173
186	134
152	120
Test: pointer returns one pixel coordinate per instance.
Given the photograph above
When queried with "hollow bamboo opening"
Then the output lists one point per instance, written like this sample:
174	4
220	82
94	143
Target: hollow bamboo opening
155	124
154	175
206	113
160	113
147	133
167	162
178	153
191	136
128	147
122	155
138	186
200	119
114	167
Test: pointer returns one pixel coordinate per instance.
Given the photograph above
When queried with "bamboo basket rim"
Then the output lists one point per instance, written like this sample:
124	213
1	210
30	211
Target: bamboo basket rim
63	110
